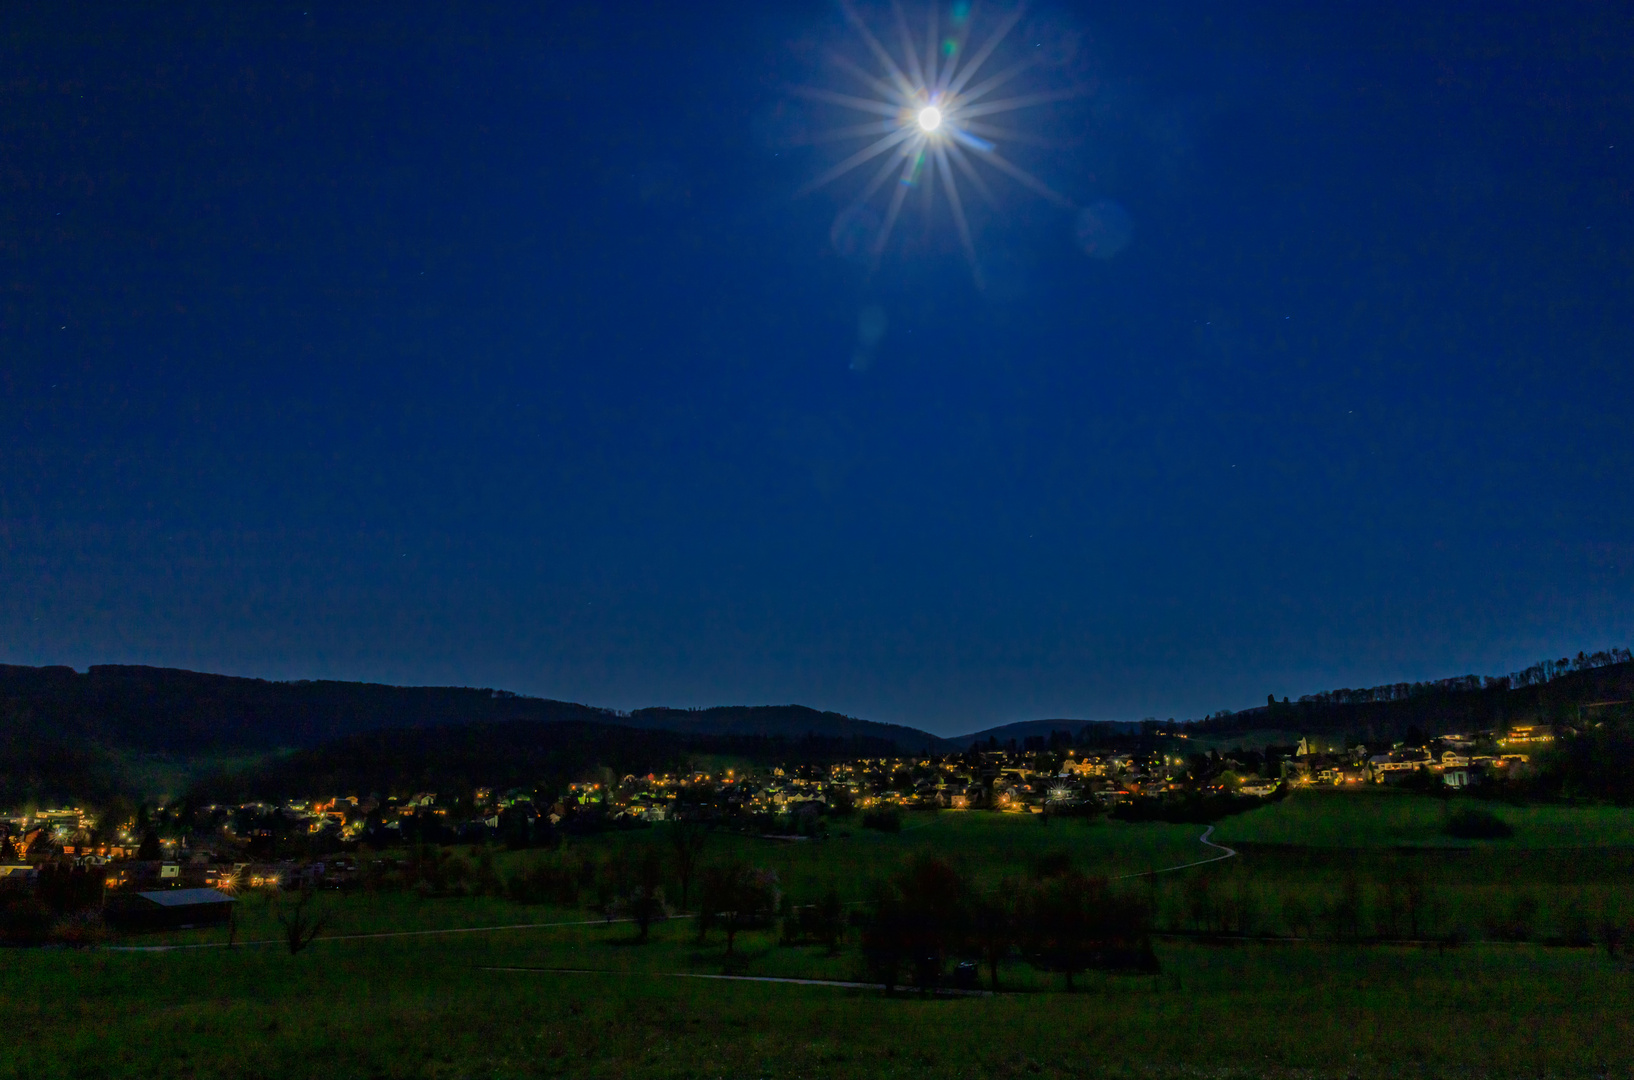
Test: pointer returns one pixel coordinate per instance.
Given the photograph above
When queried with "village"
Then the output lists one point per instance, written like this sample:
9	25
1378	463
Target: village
206	855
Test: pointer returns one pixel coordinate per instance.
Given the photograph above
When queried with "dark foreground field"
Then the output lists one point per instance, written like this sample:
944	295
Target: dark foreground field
1240	992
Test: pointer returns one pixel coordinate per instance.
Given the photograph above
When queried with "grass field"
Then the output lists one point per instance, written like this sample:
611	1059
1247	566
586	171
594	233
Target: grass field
1376	817
488	1004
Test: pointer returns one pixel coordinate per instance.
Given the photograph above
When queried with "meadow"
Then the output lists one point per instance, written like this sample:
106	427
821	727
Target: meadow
579	997
1384	817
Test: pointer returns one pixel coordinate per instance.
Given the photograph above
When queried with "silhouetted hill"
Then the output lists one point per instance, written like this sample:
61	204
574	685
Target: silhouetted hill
170	710
74	735
514	753
1084	731
84	736
786	721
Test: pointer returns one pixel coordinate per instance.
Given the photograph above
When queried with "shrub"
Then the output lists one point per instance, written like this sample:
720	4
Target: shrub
548	881
81	929
1516	924
24	920
885	820
1470	823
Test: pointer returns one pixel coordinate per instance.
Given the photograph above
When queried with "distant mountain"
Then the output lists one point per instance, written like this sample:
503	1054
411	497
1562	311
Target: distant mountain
168	710
786	721
175	711
1084	731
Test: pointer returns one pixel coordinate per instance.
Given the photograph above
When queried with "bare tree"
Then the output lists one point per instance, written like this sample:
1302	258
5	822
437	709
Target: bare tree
303	923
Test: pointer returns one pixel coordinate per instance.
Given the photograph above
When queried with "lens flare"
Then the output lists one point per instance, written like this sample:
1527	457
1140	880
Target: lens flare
930	126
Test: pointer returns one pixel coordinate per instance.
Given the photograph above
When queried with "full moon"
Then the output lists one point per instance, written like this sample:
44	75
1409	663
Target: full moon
930	118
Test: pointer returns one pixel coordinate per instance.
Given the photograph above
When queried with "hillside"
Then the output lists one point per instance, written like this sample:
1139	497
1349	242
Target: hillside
86	735
783	721
1094	731
140	730
512	753
1451	705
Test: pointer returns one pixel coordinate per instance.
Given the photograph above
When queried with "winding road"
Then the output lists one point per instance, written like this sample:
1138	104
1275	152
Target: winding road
1230	853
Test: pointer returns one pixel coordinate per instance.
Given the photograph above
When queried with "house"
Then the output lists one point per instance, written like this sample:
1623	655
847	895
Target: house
1397	764
17	874
1457	778
169	909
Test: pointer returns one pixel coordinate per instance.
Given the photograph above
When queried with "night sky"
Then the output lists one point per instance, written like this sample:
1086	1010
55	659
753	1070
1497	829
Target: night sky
463	344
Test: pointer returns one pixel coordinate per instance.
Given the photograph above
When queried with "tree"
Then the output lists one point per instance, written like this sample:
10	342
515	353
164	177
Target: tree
687	839
991	929
1416	898
885	936
830	919
918	916
1296	915
117	813
733	896
149	850
1056	932
646	901
1201	903
1074	922
302	923
1344	912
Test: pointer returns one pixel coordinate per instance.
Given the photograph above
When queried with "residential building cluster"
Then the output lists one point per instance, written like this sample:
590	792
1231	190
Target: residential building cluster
1458	760
312	841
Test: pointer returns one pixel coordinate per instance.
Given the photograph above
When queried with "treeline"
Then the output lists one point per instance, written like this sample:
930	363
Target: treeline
1058	918
923	926
1539	674
39	765
1551	692
1596	763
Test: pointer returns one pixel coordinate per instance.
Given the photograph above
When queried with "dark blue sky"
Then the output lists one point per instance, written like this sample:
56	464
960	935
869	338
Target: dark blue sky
448	344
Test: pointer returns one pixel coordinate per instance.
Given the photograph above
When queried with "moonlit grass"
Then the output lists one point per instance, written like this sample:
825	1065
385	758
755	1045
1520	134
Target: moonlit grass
934	128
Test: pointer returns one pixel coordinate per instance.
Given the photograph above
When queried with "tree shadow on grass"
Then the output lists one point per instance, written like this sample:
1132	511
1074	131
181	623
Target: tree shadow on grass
626	942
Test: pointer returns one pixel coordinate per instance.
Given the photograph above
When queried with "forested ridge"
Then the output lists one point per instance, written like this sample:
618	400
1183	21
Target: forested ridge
1550	692
75	735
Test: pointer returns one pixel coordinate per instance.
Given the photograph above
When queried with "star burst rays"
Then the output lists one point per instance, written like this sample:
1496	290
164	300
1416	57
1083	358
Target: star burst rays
932	100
